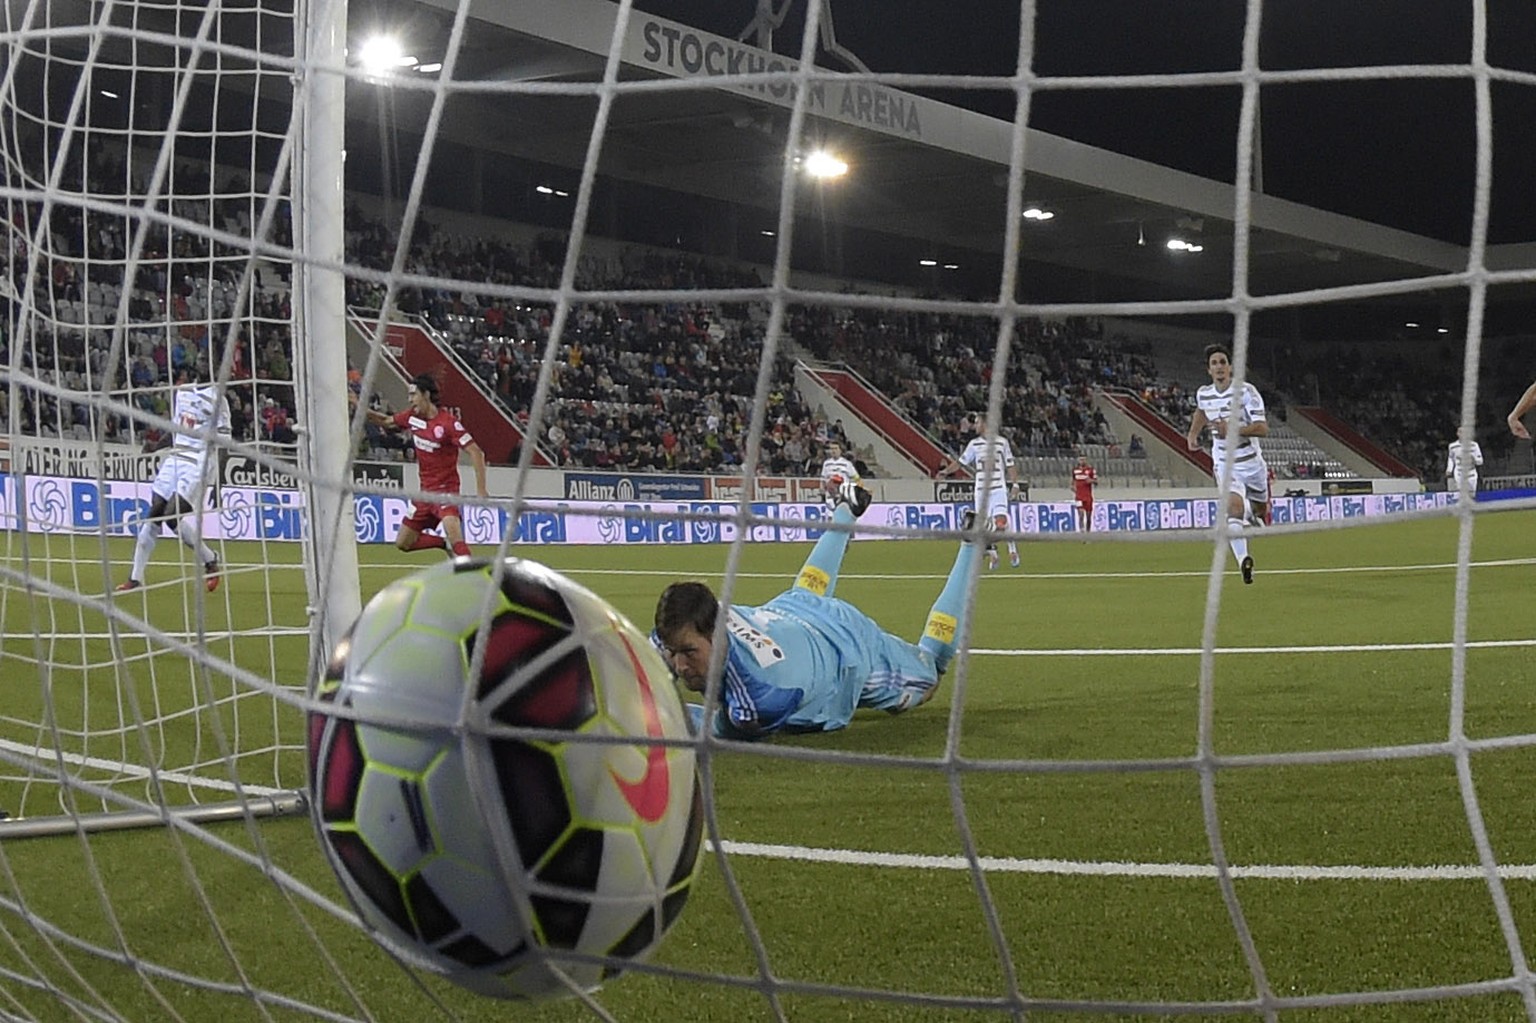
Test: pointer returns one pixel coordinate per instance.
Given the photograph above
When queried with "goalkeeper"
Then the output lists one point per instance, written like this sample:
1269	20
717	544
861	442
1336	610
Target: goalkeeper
804	661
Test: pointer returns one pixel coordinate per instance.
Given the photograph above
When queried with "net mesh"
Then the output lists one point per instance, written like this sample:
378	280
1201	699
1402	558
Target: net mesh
149	218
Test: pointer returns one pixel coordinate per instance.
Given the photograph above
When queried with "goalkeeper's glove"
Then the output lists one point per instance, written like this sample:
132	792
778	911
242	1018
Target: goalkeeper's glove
1014	492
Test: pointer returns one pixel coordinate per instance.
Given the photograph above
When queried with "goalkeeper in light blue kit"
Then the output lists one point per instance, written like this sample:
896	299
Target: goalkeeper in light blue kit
805	661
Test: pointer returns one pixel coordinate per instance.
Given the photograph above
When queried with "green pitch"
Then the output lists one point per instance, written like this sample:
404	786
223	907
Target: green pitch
1352	876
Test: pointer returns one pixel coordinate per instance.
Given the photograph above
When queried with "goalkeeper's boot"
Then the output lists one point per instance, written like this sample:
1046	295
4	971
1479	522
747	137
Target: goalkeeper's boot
211	575
855	497
1247	567
1013	557
127	585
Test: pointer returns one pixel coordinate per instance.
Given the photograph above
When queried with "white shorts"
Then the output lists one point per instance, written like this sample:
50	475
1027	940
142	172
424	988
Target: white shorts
1250	478
992	504
1452	483
182	477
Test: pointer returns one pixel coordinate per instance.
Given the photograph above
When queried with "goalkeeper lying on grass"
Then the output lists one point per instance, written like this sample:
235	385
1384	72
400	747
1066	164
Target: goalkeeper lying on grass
804	661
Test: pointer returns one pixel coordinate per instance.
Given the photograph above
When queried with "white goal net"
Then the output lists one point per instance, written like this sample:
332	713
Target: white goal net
1136	797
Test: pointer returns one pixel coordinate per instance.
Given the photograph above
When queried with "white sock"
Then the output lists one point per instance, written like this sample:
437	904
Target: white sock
193	538
1236	538
143	547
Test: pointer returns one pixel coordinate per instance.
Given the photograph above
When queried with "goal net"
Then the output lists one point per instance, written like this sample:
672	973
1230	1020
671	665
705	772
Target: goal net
1136	797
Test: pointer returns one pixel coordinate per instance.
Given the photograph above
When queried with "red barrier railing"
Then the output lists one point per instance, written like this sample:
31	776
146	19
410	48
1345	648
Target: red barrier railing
1144	415
871	406
1351	438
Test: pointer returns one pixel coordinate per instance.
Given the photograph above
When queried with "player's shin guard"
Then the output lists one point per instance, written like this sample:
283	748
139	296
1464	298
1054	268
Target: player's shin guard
143	547
1236	538
942	630
819	573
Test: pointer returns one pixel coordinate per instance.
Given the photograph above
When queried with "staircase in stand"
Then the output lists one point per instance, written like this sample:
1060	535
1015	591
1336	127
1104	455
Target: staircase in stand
412	348
1144	416
906	439
1351	438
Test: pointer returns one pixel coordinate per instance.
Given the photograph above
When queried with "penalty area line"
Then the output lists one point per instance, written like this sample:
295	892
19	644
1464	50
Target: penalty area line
1082	868
1194	651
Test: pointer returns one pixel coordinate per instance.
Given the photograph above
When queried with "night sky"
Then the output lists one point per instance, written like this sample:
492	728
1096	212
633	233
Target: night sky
1399	152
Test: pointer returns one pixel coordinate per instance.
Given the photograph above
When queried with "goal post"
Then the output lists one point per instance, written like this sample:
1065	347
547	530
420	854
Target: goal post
321	319
156	235
1141	789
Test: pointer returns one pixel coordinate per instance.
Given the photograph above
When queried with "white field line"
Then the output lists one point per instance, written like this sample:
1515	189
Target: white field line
1025	574
1090	868
1181	651
914	861
1194	651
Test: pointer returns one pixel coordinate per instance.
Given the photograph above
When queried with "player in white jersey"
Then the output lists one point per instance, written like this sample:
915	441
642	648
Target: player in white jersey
997	481
1525	404
1248	490
200	413
836	470
1462	463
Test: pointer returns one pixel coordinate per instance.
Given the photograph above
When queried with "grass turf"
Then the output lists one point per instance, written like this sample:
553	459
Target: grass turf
1101	890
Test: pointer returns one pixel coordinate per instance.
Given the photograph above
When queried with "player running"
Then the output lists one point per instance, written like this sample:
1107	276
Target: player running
439	437
200	414
804	661
997	482
1248	490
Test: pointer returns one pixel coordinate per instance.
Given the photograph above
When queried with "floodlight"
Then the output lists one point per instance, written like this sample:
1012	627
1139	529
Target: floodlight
927	262
822	164
1036	213
381	54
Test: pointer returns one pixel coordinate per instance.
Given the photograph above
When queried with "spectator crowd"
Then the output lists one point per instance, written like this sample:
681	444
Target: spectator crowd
636	385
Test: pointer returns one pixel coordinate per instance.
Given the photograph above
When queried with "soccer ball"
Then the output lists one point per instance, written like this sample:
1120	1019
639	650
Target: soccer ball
484	855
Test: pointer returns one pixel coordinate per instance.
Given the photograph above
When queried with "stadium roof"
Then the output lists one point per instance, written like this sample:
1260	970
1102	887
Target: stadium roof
925	174
928	179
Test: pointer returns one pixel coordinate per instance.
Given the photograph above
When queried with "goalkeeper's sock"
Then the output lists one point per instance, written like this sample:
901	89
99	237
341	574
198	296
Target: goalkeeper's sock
143	547
819	573
428	542
942	630
1236	538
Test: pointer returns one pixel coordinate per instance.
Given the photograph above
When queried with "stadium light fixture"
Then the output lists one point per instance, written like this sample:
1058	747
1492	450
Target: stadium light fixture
1180	245
430	69
1412	324
768	234
927	262
951	266
382	54
1037	214
822	164
109	94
